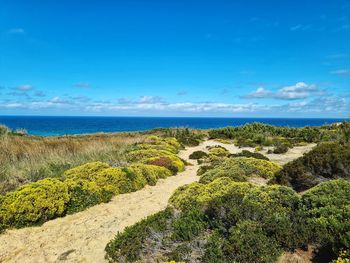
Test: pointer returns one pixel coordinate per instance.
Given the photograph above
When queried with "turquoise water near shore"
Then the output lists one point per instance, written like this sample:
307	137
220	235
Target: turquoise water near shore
56	125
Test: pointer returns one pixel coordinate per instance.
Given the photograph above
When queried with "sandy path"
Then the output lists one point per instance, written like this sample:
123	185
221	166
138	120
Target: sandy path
82	237
284	158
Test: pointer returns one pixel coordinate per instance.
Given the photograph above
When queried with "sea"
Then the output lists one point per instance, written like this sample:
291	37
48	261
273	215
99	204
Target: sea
63	125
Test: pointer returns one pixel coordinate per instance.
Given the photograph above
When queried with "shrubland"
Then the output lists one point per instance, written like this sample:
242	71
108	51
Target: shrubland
228	221
186	136
89	184
255	134
240	169
328	160
25	159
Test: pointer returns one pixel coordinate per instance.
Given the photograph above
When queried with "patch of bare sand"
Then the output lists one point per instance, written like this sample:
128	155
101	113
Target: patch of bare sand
82	237
281	159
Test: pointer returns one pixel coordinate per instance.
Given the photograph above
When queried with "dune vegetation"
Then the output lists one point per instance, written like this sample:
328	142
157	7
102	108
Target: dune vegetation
90	184
228	221
224	218
25	159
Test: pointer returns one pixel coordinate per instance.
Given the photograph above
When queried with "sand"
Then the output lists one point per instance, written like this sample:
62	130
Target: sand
82	237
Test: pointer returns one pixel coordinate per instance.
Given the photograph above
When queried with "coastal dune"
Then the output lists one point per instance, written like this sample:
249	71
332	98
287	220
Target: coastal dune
82	237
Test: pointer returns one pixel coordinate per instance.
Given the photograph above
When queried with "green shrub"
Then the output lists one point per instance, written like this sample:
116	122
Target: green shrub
127	245
219	151
84	194
86	171
109	179
326	161
34	203
185	136
254	134
280	149
246	153
188	225
150	172
198	155
240	168
173	163
327	212
4	130
214	248
248	242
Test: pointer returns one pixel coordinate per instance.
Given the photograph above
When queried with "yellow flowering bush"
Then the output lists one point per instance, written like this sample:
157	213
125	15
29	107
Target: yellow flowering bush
34	203
240	168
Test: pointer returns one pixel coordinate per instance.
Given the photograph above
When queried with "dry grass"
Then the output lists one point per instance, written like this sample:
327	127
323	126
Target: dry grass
26	159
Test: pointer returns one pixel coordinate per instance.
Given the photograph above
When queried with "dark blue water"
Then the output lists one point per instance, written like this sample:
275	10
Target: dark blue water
51	126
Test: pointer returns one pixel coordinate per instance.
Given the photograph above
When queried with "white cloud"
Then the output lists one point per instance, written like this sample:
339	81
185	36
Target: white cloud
260	93
17	30
341	72
83	85
24	88
300	27
300	90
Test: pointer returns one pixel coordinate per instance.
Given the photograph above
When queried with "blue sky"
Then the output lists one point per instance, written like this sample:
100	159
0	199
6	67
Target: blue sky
267	58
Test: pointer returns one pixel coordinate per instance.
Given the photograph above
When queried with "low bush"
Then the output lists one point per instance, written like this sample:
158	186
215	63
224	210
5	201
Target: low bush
249	242
255	134
218	151
198	155
240	168
77	189
327	212
280	149
185	136
128	245
34	203
326	161
84	194
150	172
246	153
223	221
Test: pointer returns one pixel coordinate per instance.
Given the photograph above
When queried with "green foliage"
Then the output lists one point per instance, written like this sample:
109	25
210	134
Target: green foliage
185	136
158	151
4	130
198	155
227	221
150	172
81	187
327	213
218	151
248	242
280	149
188	225
83	194
34	203
246	153
173	164
240	168
108	178
214	248
127	246
262	134
326	161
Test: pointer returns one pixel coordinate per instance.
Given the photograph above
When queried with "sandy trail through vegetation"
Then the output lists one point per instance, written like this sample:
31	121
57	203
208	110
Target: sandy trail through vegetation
82	237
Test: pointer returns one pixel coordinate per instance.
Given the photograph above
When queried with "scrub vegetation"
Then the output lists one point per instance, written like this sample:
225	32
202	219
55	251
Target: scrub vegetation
224	218
26	159
90	184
